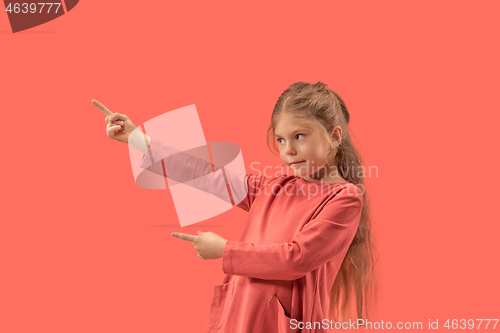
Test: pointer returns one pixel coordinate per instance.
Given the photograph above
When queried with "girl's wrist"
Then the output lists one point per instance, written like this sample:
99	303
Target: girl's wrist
147	138
222	248
138	141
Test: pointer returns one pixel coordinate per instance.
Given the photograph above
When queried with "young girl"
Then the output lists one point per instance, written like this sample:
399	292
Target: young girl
306	248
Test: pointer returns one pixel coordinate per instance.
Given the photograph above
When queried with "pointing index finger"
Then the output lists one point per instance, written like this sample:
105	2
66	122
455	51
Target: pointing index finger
101	107
187	237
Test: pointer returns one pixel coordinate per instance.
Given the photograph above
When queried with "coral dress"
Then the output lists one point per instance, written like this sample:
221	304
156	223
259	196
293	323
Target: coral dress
279	274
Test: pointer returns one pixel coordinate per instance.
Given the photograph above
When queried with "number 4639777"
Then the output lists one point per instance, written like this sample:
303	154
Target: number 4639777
33	7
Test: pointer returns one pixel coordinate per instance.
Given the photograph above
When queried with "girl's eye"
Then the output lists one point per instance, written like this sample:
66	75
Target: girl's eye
282	139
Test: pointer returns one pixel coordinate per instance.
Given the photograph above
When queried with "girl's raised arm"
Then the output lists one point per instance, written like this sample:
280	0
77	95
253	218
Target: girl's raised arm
180	166
187	168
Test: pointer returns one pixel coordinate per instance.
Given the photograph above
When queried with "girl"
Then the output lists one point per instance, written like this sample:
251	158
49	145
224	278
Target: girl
306	248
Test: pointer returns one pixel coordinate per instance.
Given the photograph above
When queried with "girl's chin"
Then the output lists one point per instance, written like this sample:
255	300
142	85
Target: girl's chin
302	172
305	172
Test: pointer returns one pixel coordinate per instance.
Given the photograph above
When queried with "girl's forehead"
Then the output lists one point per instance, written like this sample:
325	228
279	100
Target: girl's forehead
286	120
288	124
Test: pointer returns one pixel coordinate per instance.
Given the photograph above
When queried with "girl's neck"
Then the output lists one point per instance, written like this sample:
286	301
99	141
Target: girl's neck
326	175
323	180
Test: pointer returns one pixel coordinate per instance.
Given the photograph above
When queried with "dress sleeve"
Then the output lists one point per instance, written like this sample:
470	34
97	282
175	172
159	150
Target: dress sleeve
255	184
184	167
325	238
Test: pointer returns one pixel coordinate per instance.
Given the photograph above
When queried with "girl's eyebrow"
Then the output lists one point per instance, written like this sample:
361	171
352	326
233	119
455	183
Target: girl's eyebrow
296	131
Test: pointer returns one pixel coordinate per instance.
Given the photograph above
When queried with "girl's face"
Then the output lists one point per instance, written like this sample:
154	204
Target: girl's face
298	143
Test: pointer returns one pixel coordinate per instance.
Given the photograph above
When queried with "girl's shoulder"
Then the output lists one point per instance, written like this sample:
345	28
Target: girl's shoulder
260	181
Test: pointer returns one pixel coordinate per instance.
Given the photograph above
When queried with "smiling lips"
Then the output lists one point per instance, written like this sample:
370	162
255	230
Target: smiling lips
296	163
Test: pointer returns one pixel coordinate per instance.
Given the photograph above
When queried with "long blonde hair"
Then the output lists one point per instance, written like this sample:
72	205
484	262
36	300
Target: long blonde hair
316	105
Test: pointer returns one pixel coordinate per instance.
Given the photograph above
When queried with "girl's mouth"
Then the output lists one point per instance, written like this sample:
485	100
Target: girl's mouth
296	163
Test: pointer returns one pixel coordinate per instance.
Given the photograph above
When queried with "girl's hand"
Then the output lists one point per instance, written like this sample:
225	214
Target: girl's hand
209	245
118	126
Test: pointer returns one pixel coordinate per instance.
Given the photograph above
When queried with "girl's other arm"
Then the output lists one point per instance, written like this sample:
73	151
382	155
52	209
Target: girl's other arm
323	239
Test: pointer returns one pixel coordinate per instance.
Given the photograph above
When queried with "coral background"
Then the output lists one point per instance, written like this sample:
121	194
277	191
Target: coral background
83	249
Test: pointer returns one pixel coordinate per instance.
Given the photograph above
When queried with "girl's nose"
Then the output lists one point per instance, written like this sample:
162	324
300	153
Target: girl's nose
289	151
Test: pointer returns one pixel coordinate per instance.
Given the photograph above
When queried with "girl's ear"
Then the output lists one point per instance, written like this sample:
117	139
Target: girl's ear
337	133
